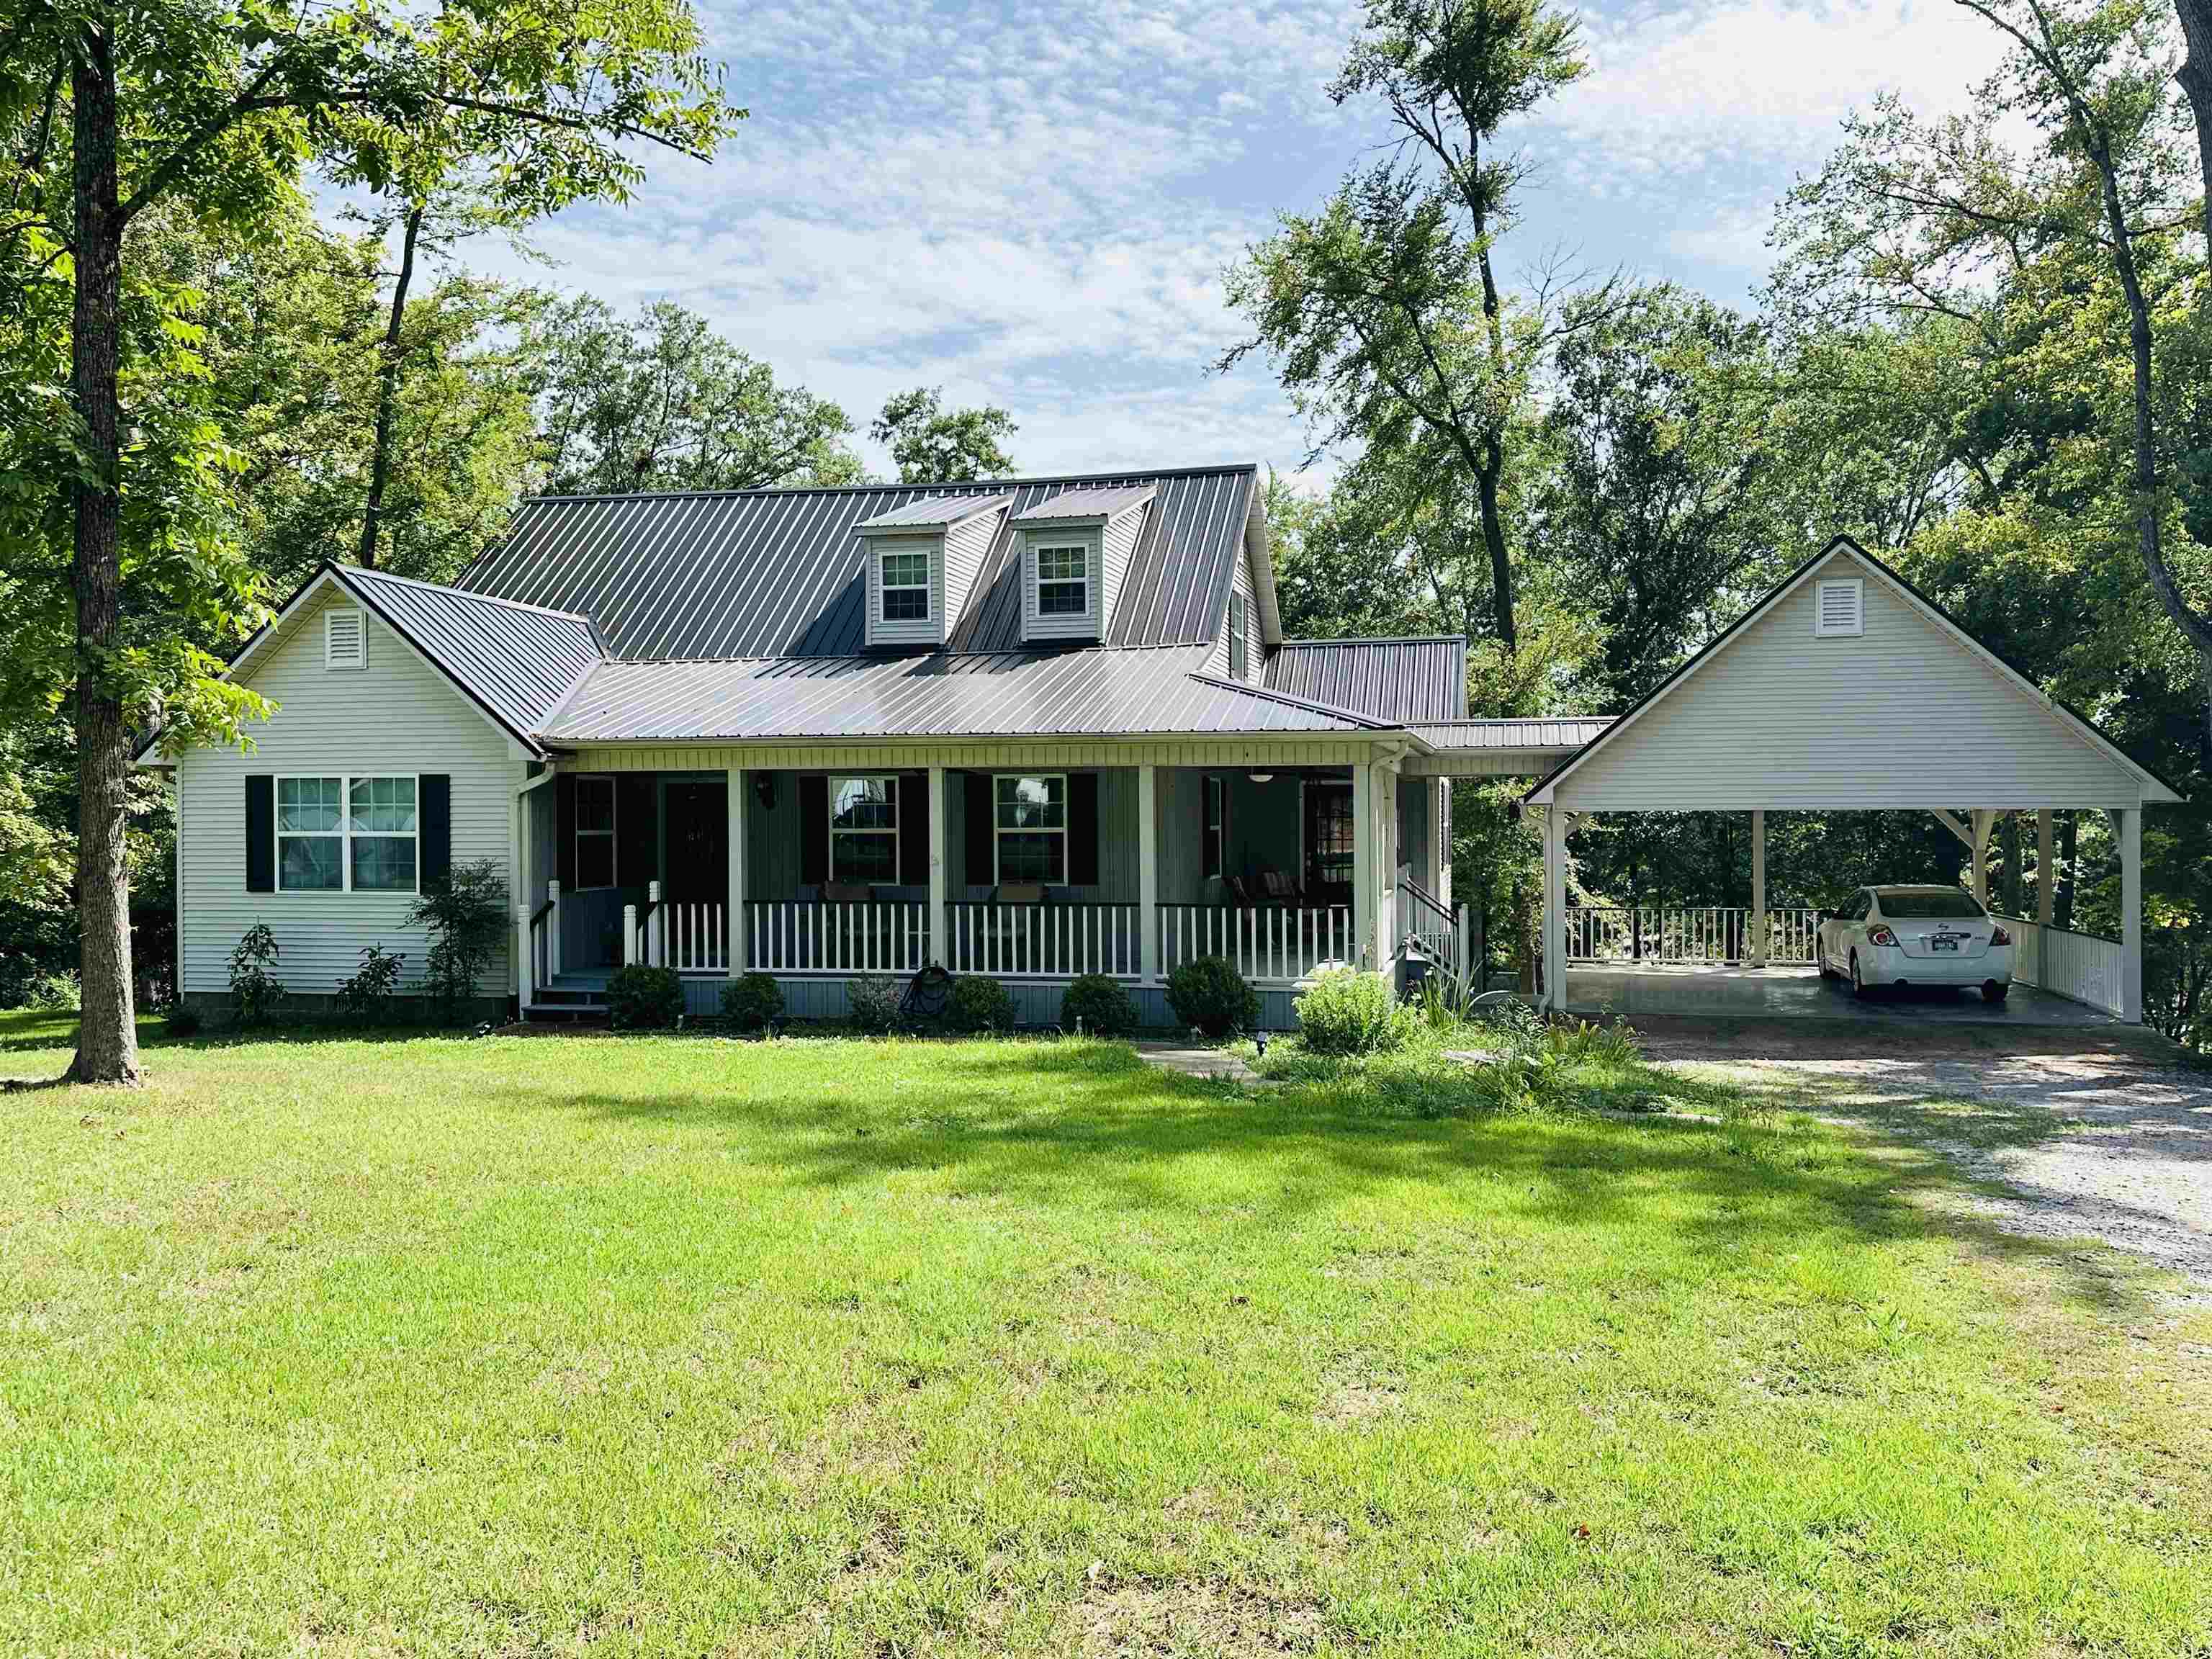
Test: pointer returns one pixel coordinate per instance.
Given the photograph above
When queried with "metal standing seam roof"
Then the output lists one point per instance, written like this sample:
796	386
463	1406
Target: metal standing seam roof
1087	504
755	574
934	512
518	661
1397	680
1002	694
1559	734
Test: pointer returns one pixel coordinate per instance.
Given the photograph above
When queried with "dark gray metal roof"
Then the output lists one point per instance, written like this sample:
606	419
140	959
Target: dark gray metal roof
934	512
1086	503
1564	734
1003	694
1396	680
753	573
518	661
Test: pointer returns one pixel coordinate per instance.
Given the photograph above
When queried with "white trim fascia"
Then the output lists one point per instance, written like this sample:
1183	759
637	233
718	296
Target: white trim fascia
1257	549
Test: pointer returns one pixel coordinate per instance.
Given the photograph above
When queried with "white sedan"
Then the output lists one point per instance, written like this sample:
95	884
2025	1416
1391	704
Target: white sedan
1916	936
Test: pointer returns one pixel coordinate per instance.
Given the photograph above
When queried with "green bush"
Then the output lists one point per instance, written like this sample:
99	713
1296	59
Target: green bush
978	1003
255	990
52	993
1207	993
466	915
874	1004
642	998
366	996
753	1002
1349	1013
183	1020
1098	1005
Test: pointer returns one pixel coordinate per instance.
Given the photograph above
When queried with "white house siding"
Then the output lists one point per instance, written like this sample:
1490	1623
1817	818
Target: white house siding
1904	716
930	629
1035	626
395	715
966	546
1240	581
1116	546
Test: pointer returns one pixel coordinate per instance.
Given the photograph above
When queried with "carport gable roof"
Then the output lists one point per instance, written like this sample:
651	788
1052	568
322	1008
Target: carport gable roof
2070	720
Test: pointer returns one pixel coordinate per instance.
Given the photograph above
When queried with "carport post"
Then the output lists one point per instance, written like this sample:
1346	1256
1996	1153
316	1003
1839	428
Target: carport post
2130	828
2045	888
1758	888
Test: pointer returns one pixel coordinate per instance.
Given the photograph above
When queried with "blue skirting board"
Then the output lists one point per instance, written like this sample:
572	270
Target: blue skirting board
1035	1003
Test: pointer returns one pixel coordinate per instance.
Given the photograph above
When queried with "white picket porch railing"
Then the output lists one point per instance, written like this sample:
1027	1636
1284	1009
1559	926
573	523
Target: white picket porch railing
820	936
2083	966
1677	933
1263	942
1044	941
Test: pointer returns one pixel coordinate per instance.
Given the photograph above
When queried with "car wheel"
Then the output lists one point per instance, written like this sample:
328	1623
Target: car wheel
1859	988
1993	992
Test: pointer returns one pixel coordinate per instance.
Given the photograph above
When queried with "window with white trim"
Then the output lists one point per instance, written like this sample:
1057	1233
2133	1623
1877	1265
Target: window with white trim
902	581
595	831
864	830
1031	827
348	835
1063	580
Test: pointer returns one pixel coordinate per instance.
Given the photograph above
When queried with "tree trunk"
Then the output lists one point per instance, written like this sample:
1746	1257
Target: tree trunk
107	1036
387	389
2196	78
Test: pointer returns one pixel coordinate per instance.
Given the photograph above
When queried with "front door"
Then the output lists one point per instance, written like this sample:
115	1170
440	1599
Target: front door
696	814
1327	841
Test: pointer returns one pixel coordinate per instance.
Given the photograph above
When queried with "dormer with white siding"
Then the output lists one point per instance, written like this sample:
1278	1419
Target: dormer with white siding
1074	551
923	559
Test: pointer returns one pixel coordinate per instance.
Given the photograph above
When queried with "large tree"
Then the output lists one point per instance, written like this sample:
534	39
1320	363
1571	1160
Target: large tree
151	101
932	444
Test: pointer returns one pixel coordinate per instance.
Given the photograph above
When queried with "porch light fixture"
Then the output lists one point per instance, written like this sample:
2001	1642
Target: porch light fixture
1261	777
764	790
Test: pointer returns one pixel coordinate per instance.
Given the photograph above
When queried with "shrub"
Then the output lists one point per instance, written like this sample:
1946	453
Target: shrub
875	1004
183	1020
367	996
1207	993
978	1003
753	1002
1098	1005
1349	1013
255	991
465	912
53	992
642	998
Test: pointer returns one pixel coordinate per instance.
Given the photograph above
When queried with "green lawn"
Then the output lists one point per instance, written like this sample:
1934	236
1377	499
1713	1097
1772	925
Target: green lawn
579	1345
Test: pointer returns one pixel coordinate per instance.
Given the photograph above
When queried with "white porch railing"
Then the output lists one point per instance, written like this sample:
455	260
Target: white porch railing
820	936
2083	966
1672	934
1044	941
1266	943
688	937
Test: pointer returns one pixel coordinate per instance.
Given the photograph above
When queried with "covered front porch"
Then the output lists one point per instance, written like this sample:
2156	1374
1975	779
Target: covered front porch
1027	868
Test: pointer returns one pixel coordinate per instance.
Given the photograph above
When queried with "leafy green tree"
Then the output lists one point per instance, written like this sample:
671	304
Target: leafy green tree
663	402
932	444
165	102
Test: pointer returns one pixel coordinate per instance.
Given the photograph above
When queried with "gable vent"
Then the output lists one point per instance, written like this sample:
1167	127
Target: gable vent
345	639
1839	609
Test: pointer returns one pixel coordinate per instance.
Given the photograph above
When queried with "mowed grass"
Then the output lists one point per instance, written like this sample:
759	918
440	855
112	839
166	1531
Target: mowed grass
595	1346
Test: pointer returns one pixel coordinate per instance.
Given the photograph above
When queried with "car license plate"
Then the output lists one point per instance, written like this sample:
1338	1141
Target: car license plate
1944	941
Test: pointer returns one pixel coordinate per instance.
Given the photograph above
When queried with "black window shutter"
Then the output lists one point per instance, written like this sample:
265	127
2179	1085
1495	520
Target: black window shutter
814	829
1083	829
1212	794
435	798
260	832
982	868
914	830
637	829
564	830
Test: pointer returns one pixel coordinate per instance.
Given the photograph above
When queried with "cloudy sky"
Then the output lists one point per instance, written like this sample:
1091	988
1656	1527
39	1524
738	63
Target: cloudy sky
1031	205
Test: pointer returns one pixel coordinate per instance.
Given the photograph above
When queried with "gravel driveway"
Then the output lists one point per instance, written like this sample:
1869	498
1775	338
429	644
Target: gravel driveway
2106	1138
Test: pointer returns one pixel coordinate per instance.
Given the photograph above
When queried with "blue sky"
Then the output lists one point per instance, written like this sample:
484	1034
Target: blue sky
1032	205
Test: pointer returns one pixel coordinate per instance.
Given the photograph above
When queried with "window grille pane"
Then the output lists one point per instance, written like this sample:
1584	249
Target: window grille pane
863	857
1032	803
906	605
595	805
1063	599
384	863
1030	856
309	805
385	805
863	804
308	864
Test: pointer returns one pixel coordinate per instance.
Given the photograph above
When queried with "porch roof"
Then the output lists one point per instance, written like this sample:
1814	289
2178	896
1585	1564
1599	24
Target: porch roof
1140	692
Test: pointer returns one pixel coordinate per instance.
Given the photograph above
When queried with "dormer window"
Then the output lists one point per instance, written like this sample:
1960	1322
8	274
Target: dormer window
1063	580
905	584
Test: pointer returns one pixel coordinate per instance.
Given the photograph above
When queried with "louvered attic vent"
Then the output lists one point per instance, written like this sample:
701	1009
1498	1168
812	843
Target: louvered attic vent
345	639
1839	609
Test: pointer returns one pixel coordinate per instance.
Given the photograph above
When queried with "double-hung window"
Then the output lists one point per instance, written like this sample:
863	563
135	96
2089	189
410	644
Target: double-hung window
1238	657
864	830
347	834
1063	581
595	832
1031	827
903	581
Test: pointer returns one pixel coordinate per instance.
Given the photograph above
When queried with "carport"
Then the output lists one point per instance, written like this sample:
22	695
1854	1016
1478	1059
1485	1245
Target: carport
1846	688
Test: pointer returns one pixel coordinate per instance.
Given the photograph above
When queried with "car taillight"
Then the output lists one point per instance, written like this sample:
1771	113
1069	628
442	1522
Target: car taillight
1881	936
1998	936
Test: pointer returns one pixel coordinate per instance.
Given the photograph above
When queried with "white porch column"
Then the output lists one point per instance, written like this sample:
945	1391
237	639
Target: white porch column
1984	822
1555	908
1363	866
1380	830
1148	873
941	938
736	811
2045	889
2131	828
1758	887
525	968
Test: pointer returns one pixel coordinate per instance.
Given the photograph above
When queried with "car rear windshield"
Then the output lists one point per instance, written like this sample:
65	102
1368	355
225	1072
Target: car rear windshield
1943	903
